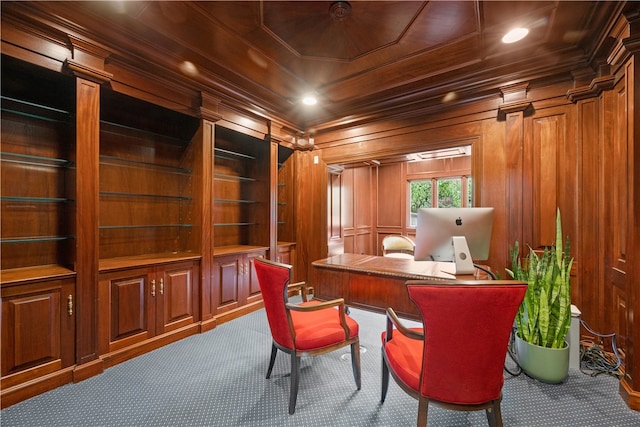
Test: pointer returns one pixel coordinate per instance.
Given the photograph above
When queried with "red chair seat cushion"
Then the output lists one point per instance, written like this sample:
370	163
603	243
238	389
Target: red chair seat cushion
321	328
405	357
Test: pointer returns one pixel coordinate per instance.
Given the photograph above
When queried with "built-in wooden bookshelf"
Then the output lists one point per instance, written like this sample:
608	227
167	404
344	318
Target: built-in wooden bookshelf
38	149
145	176
241	189
126	225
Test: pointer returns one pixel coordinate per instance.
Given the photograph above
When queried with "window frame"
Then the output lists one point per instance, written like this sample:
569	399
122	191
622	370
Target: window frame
466	199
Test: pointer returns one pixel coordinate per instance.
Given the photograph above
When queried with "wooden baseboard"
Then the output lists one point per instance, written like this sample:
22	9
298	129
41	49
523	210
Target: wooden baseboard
629	395
88	370
18	393
121	355
239	312
207	325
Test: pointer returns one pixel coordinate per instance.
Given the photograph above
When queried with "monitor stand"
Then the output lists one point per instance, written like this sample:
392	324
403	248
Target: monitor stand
464	263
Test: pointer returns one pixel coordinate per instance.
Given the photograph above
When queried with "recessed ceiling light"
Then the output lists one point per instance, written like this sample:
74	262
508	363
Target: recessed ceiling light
309	100
515	35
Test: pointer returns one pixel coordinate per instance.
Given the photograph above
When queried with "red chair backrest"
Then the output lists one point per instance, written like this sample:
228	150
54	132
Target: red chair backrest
273	279
467	331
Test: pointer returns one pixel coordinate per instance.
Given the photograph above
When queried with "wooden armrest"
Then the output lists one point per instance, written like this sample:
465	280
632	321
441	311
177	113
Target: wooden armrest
393	320
302	289
319	306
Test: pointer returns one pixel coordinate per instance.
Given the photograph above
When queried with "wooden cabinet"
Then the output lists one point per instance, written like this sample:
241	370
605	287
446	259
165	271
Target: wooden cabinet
37	212
139	304
38	325
285	253
235	279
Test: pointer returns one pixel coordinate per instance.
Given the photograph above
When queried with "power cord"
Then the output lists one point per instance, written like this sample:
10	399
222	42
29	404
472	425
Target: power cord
511	352
489	272
595	361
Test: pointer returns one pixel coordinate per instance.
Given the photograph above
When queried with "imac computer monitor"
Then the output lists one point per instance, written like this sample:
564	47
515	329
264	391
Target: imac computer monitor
460	235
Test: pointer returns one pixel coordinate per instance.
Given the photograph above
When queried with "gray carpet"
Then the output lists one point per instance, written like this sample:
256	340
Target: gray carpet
218	379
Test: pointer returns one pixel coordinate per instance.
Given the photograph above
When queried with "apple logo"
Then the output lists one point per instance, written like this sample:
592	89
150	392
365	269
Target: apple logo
459	221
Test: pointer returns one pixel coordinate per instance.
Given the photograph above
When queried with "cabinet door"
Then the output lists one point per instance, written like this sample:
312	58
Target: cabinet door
127	308
37	330
177	296
252	286
228	281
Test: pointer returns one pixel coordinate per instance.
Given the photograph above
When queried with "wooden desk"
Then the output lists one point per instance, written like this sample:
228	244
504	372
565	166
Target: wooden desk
373	282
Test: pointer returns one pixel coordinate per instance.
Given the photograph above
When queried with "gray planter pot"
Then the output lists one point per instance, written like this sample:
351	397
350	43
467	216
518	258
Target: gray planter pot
549	365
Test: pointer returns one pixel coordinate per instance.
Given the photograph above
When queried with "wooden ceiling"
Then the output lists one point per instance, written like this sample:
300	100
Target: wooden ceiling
363	59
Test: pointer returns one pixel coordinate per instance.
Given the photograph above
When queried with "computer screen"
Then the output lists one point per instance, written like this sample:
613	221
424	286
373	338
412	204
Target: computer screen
460	235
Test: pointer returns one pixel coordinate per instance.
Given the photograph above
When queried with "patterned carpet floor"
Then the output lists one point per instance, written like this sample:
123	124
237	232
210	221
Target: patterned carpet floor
218	379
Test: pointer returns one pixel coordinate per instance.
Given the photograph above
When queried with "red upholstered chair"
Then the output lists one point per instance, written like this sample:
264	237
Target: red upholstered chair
310	328
457	360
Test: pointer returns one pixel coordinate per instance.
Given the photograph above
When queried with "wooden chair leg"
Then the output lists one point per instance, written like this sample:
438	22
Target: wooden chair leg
295	382
494	414
423	409
274	351
355	363
385	379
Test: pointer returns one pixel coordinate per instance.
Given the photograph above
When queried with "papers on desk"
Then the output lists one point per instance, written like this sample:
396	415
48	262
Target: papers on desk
443	270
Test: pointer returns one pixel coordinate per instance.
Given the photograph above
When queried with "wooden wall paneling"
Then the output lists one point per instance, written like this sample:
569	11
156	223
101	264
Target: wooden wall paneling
363	208
588	197
348	210
390	207
626	197
546	144
633	215
517	200
390	202
335	243
554	166
490	184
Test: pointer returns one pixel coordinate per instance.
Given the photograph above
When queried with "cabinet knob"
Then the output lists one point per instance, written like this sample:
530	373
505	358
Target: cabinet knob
161	286
153	288
70	305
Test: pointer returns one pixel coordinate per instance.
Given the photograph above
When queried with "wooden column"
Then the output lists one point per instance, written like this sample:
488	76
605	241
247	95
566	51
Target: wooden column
203	144
87	65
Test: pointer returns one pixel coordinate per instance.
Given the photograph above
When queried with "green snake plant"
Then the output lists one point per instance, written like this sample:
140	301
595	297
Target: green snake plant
544	317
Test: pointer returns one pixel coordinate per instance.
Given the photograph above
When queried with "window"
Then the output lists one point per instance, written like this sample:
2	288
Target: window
450	192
